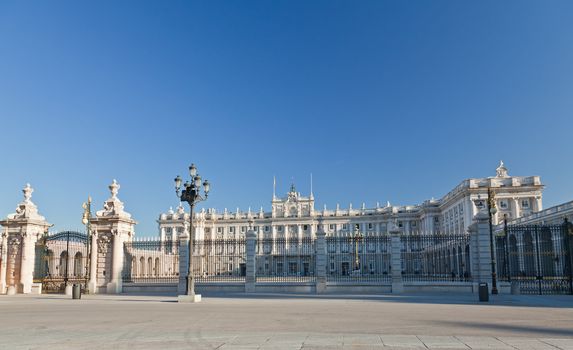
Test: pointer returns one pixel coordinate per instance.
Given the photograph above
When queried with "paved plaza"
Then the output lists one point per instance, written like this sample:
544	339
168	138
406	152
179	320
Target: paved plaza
286	322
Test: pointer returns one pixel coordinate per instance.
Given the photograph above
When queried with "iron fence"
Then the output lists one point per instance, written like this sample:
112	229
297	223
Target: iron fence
151	261
537	258
435	258
357	258
219	260
285	260
61	259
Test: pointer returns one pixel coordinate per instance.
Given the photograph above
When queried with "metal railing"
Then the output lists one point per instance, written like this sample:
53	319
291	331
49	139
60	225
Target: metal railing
219	260
537	258
151	261
435	258
61	258
353	258
285	260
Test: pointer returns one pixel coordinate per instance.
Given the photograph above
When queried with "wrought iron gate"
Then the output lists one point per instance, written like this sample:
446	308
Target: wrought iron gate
61	259
536	258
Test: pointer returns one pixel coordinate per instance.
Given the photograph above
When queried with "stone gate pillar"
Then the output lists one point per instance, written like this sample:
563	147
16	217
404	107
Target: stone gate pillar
183	261
3	261
113	226
396	259
480	250
251	259
320	258
21	232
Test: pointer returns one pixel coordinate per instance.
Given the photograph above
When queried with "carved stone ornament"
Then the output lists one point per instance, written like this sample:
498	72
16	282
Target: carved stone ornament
103	244
113	206
27	209
501	170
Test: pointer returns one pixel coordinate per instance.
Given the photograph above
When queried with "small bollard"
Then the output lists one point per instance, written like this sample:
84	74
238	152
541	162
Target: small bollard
483	292
77	291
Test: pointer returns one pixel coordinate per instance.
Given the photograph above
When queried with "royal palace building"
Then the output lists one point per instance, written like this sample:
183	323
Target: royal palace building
295	215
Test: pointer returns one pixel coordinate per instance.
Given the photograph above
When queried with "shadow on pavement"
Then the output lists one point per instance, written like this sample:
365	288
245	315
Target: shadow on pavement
545	301
526	330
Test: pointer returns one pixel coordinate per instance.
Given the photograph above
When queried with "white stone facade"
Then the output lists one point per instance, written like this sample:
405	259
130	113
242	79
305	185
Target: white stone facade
295	214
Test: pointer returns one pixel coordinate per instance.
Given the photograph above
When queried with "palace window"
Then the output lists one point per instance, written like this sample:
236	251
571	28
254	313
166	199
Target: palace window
525	203
345	226
207	230
331	227
305	227
503	204
267	228
168	230
231	229
279	228
370	226
243	228
219	230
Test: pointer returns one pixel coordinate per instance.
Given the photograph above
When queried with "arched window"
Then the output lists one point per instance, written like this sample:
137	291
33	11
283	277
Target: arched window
63	264
149	267
78	265
156	266
142	267
49	265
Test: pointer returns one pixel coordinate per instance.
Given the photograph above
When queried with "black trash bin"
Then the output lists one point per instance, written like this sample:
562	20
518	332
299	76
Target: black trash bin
77	291
483	292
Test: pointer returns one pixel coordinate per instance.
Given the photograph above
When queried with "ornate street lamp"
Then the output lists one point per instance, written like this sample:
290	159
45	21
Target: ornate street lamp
191	193
492	210
357	239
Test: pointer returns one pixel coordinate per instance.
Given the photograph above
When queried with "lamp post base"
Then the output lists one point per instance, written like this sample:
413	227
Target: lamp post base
189	298
68	290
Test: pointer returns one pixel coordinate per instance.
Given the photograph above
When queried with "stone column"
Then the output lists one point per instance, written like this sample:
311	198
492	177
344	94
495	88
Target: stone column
396	261
480	249
114	286
320	258
407	227
3	262
537	204
516	208
92	283
26	265
251	261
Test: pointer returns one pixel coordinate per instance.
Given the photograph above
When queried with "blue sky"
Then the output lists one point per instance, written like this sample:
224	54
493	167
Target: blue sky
380	100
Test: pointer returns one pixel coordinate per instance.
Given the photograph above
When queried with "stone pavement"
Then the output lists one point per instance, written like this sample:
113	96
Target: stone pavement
286	322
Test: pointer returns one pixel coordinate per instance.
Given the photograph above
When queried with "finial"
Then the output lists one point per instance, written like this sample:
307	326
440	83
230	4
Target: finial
27	193
501	170
114	188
